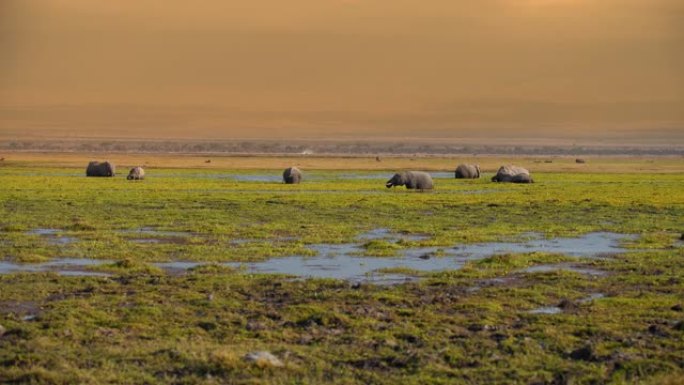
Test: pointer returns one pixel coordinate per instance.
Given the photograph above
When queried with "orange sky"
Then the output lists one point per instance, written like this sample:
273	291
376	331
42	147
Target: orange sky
321	68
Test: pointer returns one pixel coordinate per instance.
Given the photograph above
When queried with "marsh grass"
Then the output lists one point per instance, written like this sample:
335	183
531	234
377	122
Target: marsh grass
142	325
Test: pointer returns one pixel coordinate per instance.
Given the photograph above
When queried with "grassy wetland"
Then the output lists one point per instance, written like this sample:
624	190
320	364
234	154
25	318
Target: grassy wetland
524	316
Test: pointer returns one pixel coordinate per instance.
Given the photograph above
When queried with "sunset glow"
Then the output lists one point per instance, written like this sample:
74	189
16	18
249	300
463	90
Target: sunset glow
384	66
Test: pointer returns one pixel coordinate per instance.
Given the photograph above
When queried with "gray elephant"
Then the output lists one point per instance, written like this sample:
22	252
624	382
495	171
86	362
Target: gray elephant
522	178
292	175
512	174
412	180
100	169
467	171
136	173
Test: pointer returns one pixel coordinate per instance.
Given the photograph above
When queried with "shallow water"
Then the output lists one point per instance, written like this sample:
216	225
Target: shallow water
588	245
62	266
343	261
387	234
145	240
42	231
352	268
546	310
274	178
592	297
177	266
564	267
557	309
52	237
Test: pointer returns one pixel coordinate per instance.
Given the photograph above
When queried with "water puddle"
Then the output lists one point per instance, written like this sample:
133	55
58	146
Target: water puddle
52	236
386	234
592	297
346	262
564	267
566	304
177	267
45	232
62	266
442	175
346	267
588	245
145	240
265	178
364	176
546	310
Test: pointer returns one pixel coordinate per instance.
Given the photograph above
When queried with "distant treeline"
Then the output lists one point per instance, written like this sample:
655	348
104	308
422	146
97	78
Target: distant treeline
323	148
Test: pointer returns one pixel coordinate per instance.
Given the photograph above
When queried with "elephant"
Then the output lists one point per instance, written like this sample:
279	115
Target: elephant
513	174
522	178
467	171
100	169
580	160
412	180
136	173
292	175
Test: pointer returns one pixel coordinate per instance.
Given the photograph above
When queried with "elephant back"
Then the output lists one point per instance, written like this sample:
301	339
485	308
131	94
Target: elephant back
419	180
292	175
136	173
510	173
467	171
104	169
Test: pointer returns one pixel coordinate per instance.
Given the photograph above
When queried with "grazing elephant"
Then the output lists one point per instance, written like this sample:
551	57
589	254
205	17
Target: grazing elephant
136	173
100	169
513	174
412	180
467	171
522	178
292	175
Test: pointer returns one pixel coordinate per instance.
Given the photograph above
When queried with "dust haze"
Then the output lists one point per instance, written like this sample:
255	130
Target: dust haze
491	69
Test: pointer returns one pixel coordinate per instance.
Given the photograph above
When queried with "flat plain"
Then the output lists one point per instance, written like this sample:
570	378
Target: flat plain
517	316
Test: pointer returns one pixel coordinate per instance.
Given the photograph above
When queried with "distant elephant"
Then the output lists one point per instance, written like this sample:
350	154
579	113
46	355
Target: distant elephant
513	174
522	178
136	173
412	180
580	160
100	169
467	171
292	175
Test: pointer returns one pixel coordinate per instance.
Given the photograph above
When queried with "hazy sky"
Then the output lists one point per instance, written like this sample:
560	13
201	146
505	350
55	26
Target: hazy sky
317	67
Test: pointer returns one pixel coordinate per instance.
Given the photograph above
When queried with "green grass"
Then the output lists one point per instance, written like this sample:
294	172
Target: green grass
142	325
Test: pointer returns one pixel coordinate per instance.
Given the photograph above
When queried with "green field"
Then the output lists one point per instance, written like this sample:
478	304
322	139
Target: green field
142	324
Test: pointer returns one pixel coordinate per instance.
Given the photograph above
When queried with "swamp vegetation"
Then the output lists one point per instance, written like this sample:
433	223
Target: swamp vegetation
505	318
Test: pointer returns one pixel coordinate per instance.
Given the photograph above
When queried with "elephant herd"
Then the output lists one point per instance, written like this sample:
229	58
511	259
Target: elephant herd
418	180
107	169
423	181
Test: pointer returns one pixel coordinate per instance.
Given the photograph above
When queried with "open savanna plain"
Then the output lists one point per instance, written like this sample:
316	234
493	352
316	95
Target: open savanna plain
130	320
